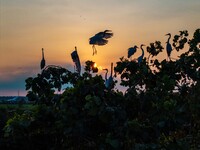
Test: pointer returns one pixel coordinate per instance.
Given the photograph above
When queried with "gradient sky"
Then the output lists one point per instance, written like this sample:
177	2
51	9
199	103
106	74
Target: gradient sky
58	26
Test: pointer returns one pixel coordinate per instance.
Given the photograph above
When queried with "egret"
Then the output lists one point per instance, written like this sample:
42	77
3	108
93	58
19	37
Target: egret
76	60
42	63
109	81
168	46
100	39
106	74
132	51
140	58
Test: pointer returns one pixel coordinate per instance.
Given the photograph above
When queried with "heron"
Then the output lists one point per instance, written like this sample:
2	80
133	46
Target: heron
100	39
76	60
132	51
42	63
168	46
109	81
106	74
140	58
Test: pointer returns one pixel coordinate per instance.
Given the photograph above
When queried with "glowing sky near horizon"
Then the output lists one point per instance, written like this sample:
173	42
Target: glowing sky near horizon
58	26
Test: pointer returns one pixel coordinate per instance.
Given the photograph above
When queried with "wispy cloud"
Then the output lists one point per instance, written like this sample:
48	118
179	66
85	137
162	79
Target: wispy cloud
10	74
12	79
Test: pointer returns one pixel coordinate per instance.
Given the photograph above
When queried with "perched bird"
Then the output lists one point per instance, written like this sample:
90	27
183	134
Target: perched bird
140	58
42	63
106	74
132	51
100	39
76	60
109	81
168	46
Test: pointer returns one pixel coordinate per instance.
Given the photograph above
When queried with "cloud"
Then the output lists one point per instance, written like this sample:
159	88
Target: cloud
14	78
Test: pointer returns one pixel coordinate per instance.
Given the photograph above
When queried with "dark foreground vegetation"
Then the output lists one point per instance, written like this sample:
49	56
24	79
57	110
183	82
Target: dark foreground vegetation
159	110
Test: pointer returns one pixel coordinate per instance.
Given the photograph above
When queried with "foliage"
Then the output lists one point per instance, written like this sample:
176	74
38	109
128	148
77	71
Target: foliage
159	109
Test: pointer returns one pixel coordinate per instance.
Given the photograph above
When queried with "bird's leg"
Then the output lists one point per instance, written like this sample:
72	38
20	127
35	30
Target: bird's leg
95	51
131	58
168	58
93	48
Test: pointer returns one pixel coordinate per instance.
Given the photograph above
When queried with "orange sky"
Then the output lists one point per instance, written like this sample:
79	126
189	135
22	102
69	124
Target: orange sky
58	26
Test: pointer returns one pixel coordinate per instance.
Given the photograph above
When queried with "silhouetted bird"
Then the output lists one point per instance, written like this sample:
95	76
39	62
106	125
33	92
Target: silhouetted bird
106	74
76	60
132	51
140	58
168	46
42	63
109	82
100	39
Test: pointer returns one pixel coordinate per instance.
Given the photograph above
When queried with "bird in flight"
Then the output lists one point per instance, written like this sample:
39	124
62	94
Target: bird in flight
100	39
42	63
168	46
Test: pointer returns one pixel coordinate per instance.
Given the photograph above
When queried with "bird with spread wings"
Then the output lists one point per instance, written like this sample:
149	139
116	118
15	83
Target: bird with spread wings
100	39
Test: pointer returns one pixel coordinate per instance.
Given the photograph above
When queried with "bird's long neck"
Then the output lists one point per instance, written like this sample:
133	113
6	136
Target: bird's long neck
142	50
111	69
169	38
42	53
106	75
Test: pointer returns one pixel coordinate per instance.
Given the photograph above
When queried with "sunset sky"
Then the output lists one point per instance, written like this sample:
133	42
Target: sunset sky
27	26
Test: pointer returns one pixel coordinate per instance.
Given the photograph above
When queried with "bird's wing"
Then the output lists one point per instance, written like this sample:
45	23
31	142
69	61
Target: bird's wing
131	51
93	40
97	41
108	35
74	55
169	49
101	42
76	60
42	63
140	58
109	82
100	34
